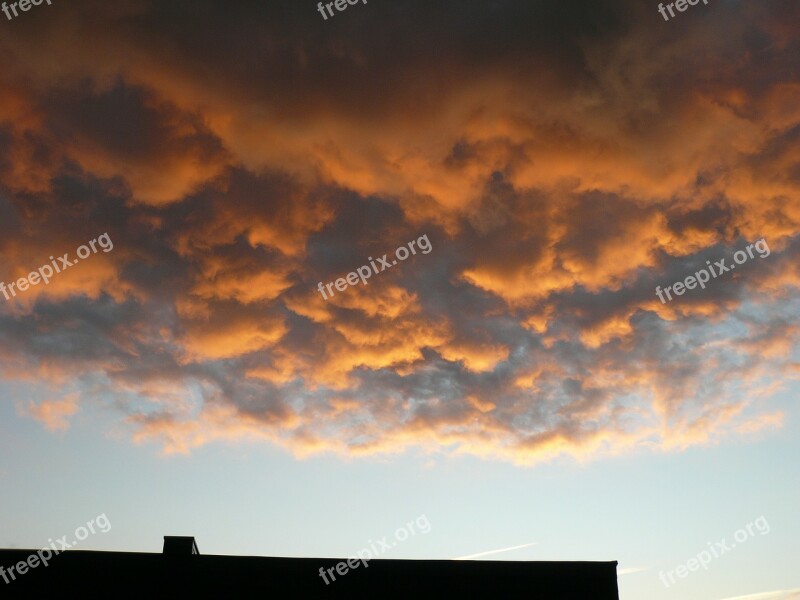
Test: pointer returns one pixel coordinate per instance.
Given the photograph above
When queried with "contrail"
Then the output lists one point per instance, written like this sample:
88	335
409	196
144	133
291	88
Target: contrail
777	595
631	570
494	551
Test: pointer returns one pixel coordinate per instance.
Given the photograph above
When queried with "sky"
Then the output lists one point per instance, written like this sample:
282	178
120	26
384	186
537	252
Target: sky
301	280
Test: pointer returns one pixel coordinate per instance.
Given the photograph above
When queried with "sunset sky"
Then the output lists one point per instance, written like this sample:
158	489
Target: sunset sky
520	384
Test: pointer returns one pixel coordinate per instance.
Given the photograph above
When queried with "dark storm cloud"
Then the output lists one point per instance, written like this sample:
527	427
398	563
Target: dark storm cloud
562	158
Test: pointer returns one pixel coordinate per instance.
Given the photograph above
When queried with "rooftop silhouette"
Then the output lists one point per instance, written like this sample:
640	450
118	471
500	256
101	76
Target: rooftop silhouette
180	571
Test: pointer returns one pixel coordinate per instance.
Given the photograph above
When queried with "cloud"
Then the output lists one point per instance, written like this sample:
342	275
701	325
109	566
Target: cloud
564	160
53	414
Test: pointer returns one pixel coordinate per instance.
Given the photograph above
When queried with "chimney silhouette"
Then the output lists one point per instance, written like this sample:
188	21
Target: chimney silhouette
180	545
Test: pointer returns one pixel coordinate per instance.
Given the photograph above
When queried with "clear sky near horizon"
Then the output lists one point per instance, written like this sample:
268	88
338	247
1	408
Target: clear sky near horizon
516	381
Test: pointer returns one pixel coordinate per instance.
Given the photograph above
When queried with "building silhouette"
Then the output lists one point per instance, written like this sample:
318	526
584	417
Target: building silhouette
182	572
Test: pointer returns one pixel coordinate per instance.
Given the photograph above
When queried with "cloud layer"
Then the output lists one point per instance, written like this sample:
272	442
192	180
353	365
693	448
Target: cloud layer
563	160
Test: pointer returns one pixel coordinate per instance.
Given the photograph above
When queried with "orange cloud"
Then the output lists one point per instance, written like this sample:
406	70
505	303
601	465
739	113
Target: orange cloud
557	203
53	414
